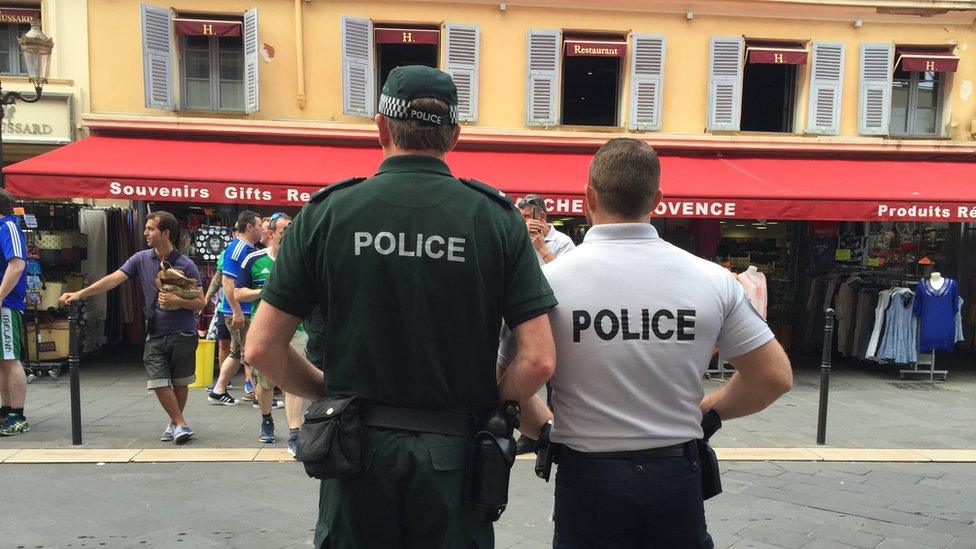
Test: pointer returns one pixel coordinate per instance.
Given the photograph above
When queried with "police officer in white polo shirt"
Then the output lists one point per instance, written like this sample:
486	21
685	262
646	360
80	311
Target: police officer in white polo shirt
634	329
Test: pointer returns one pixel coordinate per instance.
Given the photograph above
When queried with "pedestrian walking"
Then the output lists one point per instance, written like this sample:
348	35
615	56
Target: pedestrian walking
634	329
247	233
254	274
171	331
413	270
13	293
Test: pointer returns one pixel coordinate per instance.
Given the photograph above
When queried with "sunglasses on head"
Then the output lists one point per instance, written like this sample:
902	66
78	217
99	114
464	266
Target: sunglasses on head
274	220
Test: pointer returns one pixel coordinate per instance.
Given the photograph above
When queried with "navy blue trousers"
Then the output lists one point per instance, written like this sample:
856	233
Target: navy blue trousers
629	503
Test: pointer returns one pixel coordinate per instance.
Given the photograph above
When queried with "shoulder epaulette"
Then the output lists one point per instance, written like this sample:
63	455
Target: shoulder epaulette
322	193
490	192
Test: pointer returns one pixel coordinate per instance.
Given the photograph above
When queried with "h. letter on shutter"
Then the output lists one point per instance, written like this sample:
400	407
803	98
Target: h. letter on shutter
463	59
826	88
646	82
358	86
157	57
542	77
875	97
725	83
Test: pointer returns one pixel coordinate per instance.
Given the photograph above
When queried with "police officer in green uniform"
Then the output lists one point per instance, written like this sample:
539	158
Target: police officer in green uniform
414	271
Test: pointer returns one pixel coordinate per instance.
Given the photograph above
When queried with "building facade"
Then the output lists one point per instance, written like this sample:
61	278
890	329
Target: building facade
33	128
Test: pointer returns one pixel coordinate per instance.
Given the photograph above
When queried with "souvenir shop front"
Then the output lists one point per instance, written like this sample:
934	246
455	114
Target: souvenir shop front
802	233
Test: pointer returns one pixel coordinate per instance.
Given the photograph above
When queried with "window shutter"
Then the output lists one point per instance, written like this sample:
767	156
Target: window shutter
826	85
157	57
725	83
463	54
646	82
358	96
251	47
543	77
875	98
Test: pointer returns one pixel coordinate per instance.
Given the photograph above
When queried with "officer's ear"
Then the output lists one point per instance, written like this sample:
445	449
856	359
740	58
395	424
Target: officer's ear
384	130
658	196
592	202
455	137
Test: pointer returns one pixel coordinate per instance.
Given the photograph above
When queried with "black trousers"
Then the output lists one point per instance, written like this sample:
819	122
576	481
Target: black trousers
629	503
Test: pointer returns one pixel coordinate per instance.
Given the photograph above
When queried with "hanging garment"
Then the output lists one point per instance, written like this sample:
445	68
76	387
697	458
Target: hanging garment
708	235
866	305
959	334
844	309
93	224
884	299
899	343
936	310
755	288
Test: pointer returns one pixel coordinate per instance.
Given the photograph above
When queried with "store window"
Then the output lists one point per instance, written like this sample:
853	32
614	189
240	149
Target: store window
211	63
591	80
14	22
769	85
400	46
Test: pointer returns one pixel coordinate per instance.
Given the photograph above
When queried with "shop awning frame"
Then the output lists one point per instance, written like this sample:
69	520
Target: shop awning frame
252	173
925	60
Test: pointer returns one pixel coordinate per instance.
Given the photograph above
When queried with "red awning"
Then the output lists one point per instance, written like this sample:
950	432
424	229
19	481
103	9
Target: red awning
778	53
206	27
932	60
285	174
407	36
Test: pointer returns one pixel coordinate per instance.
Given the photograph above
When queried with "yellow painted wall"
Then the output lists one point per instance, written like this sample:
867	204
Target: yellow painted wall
116	55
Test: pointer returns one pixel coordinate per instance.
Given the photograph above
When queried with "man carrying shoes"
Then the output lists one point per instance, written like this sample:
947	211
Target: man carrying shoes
171	339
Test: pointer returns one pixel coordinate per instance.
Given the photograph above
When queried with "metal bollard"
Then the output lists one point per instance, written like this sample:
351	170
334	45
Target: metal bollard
825	377
74	359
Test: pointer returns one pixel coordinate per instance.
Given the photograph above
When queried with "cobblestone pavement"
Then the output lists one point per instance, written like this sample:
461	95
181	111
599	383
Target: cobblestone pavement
869	408
271	505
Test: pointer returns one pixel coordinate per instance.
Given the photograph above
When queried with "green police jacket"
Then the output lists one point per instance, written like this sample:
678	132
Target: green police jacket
414	271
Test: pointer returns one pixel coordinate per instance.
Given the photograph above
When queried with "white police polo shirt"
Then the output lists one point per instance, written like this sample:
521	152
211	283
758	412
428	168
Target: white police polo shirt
635	327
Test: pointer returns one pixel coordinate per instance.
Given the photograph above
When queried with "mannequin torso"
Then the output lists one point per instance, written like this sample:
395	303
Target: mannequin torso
936	281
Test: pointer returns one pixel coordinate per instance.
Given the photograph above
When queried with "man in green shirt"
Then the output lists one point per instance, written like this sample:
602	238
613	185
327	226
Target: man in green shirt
414	271
255	270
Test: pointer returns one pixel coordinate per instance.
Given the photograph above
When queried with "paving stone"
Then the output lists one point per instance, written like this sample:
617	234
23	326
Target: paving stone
962	543
775	536
847	535
894	543
826	544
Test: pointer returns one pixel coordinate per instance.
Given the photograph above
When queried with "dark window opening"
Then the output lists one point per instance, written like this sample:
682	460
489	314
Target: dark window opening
391	56
768	97
213	73
590	90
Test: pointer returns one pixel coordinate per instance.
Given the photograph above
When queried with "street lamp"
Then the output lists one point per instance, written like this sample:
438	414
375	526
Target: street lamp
35	47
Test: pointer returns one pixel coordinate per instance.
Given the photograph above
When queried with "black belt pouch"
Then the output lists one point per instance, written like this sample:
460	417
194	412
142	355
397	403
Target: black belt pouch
711	481
330	442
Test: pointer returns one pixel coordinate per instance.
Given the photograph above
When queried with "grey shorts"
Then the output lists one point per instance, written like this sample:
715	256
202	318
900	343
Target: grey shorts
171	360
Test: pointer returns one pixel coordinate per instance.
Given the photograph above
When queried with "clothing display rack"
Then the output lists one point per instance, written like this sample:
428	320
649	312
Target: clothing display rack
925	358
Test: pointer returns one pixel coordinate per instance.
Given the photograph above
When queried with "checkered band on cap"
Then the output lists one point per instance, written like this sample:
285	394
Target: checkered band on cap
394	107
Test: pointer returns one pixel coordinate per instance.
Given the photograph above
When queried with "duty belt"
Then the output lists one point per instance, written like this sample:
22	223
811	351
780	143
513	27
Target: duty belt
676	450
421	421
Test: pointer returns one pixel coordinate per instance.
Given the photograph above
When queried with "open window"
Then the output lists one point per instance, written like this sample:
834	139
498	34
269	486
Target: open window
917	89
211	62
370	49
399	46
217	56
591	79
14	22
769	85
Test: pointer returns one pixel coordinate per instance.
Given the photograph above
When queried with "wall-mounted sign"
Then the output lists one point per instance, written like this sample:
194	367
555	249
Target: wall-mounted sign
50	121
595	48
18	15
407	36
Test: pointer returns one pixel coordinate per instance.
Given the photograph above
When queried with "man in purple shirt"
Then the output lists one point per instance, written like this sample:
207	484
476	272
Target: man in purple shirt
171	344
